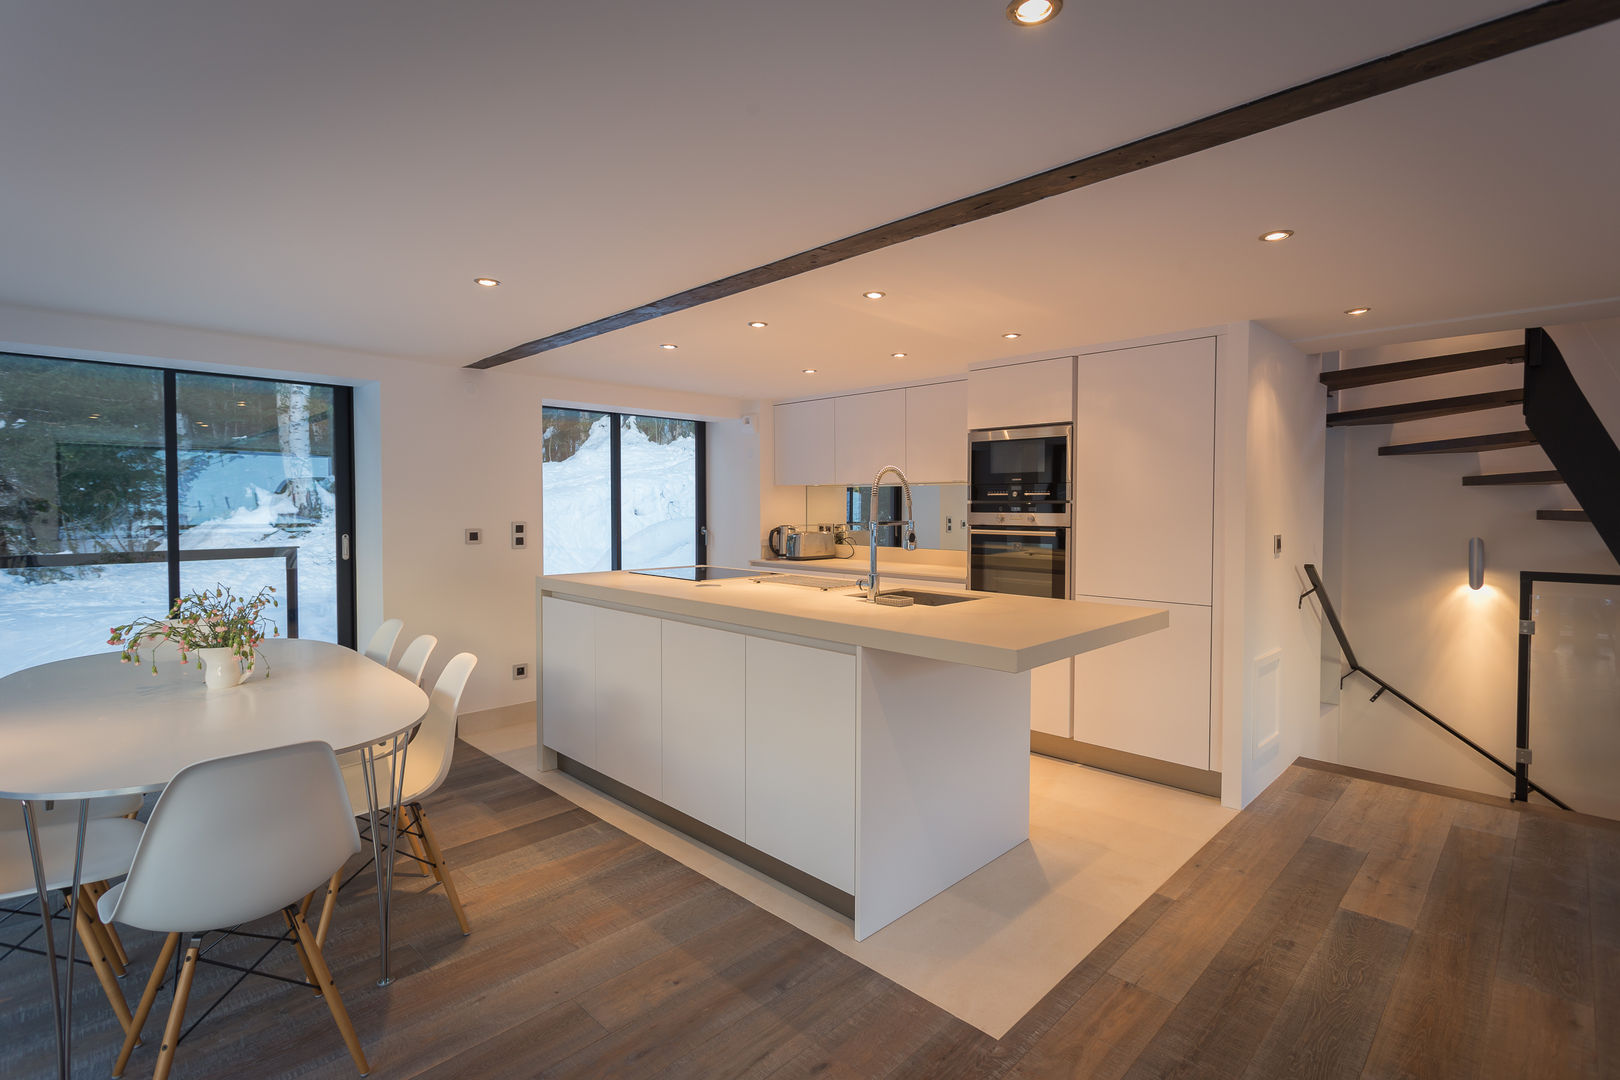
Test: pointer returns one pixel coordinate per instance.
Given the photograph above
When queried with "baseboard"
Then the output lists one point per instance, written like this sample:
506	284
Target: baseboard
1168	773
501	716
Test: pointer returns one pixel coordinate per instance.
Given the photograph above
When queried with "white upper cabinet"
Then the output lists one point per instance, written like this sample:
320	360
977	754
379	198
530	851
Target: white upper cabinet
1039	392
936	433
870	433
1144	473
805	436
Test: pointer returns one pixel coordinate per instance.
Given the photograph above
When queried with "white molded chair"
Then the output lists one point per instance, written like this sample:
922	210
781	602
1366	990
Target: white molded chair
232	840
427	763
413	661
109	846
381	645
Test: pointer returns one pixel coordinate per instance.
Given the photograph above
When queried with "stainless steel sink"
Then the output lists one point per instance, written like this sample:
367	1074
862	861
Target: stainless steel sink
907	597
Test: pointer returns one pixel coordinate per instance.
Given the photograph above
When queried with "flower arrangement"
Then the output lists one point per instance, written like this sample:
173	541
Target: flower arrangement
202	620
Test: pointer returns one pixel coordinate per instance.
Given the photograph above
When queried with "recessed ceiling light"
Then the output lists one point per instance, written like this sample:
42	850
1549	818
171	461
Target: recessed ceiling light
808	370
1276	234
757	325
486	282
873	295
95	416
202	425
1357	310
1012	334
898	355
241	404
1033	12
667	345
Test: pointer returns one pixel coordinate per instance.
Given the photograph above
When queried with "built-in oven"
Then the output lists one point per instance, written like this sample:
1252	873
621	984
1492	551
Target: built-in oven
1027	560
1019	471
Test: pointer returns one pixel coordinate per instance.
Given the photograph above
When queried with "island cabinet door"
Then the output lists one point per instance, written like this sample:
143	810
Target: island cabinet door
801	758
703	724
629	745
568	678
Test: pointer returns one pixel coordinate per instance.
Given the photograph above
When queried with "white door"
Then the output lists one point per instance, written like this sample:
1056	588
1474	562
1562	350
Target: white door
1039	392
804	436
801	758
568	678
1144	472
629	744
936	433
1149	695
871	433
703	724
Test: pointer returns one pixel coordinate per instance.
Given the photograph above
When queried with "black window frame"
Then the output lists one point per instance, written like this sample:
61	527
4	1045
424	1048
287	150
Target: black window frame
342	480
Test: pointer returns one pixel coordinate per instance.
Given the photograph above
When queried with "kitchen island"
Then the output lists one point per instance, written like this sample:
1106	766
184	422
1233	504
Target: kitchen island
868	756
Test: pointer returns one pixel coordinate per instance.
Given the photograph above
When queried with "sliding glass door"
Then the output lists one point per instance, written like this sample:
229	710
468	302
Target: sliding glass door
122	487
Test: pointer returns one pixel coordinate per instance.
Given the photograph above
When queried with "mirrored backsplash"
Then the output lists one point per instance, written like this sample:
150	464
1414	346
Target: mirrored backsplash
940	511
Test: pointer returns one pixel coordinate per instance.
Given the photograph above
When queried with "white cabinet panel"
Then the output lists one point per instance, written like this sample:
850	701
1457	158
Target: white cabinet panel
871	433
1144	473
801	758
1039	392
628	701
936	433
568	678
703	724
1149	695
804	438
1049	704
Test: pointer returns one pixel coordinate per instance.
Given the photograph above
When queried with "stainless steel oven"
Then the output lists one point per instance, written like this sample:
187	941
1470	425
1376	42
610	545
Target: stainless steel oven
1019	474
1026	560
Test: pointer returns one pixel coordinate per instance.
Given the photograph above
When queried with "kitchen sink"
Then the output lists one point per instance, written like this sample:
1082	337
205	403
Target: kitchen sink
907	597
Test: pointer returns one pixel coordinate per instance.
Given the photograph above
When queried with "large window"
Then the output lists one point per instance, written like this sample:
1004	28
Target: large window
123	487
621	492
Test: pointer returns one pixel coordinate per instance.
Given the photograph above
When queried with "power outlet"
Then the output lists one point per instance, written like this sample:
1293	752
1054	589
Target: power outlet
475	536
520	534
520	671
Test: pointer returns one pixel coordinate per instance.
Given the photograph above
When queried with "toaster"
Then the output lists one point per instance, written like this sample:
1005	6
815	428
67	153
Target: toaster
792	542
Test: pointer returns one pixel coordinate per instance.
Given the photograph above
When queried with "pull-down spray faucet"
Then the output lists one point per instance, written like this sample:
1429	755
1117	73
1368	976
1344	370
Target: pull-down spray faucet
908	530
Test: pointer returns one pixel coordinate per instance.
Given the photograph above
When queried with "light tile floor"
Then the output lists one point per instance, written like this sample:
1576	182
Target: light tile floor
989	947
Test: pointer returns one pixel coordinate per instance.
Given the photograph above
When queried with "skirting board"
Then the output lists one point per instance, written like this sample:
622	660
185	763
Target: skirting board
1199	781
822	893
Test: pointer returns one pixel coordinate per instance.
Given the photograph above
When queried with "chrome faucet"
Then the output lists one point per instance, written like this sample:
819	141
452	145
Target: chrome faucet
908	528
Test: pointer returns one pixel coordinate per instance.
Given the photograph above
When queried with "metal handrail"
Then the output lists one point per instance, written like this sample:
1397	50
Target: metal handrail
114	558
1332	618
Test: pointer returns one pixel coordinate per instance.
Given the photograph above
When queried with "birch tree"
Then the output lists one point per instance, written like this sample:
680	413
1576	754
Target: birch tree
292	429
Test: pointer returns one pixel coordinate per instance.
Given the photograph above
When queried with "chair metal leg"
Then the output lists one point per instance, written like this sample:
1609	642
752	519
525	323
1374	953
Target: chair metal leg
85	923
132	1034
440	870
310	950
327	907
177	1011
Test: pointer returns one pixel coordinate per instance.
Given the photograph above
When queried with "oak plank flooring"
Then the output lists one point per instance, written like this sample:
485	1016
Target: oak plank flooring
1339	927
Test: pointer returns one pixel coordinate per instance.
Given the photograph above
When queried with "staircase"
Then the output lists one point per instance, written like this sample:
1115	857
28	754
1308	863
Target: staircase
1557	417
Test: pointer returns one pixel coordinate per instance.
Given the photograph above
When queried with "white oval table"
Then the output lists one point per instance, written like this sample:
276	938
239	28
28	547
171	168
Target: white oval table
93	726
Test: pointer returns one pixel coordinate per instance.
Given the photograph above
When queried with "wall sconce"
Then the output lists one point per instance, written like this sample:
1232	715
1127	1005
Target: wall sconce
1476	563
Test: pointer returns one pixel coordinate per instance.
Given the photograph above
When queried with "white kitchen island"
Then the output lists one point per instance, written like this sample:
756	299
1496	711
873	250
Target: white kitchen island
868	756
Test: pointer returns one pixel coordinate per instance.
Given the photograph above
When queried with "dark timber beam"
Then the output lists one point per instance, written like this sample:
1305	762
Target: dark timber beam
1454	52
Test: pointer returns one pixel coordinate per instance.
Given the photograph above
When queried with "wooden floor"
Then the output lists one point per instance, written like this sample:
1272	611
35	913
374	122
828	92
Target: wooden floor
1339	927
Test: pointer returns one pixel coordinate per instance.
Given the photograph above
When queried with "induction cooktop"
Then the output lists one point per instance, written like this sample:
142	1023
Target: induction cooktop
703	573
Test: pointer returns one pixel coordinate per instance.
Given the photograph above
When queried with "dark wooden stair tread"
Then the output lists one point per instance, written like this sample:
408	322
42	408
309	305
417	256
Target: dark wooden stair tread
1563	515
1545	476
1423	410
1372	374
1468	444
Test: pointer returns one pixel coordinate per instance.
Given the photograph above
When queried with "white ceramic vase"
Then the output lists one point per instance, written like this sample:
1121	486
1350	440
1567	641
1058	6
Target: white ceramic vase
222	668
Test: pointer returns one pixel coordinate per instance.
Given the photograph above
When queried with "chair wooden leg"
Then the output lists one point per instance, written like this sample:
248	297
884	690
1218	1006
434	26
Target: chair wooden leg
132	1035
303	960
323	979
96	953
327	907
423	864
440	870
103	932
177	1011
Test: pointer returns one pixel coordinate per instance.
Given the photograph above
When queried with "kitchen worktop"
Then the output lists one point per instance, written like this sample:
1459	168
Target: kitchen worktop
858	566
995	631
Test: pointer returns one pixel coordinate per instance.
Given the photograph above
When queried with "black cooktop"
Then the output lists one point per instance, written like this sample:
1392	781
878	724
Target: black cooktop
703	573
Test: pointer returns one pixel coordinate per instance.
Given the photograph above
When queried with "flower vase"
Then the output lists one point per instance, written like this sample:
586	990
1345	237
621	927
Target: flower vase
222	668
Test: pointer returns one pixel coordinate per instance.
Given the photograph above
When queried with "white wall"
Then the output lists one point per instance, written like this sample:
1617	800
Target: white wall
1402	527
437	450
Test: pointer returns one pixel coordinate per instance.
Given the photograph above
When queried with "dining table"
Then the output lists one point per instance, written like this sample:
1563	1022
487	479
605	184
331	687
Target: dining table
94	726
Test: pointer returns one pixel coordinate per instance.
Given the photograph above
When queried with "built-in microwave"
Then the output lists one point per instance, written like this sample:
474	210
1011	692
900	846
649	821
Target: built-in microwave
1019	475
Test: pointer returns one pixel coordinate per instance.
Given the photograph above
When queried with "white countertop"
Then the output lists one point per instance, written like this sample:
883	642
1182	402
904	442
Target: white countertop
858	566
997	631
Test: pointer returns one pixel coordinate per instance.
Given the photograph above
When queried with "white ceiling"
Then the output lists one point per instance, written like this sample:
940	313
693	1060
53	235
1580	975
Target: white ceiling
338	173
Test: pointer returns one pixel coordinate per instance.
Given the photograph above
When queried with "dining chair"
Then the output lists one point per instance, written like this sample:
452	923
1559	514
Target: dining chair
413	661
232	840
427	763
381	645
109	848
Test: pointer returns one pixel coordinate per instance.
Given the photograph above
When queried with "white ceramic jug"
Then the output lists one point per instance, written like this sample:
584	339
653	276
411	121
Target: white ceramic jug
221	668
